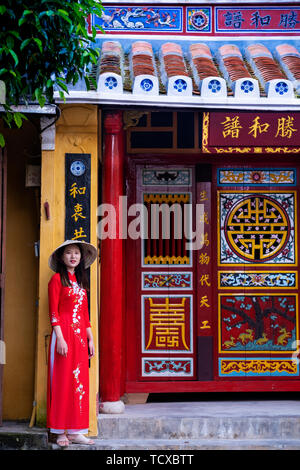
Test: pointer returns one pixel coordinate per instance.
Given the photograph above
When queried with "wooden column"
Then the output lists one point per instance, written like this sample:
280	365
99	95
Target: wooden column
76	132
111	310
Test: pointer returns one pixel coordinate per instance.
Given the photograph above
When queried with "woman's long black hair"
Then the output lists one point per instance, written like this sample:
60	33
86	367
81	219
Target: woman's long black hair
80	271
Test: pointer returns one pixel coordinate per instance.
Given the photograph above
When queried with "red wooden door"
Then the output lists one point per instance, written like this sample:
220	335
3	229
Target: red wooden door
161	312
3	178
222	316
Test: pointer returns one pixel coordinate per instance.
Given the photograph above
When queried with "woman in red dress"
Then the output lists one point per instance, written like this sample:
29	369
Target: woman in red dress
71	343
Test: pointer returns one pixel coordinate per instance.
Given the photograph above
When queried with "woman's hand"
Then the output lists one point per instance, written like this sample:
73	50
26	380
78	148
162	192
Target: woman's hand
90	340
91	348
62	347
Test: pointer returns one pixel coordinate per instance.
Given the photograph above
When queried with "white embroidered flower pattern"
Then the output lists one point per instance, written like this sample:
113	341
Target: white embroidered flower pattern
79	388
54	319
78	294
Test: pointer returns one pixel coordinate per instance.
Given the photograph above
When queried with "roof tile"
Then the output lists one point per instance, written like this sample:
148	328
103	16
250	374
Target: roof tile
199	63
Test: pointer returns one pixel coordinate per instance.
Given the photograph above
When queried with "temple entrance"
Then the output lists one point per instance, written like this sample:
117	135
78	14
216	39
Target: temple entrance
212	300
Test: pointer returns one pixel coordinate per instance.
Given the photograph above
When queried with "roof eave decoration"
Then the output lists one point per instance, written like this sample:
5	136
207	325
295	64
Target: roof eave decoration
256	79
128	99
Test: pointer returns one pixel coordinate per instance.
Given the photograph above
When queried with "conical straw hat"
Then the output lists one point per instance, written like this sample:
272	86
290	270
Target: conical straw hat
89	253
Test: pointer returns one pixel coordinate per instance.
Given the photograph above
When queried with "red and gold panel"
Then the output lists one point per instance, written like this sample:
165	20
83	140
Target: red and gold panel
250	132
257	227
167	324
258	367
166	243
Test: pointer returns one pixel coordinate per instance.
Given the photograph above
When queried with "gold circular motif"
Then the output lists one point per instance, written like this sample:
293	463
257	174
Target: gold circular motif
257	228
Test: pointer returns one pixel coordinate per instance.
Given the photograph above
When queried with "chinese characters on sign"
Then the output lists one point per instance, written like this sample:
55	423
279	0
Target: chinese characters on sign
204	262
270	19
77	197
232	127
253	130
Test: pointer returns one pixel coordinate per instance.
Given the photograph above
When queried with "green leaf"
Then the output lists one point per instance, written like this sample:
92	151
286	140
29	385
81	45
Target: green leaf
10	42
27	12
18	119
87	83
2	140
39	43
62	85
23	19
63	12
14	55
62	95
37	93
25	43
42	101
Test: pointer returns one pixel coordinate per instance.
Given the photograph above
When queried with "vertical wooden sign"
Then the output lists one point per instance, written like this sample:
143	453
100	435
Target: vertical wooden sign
204	281
77	196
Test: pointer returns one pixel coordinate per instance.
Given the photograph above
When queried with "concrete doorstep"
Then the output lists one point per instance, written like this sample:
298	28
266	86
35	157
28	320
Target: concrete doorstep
229	425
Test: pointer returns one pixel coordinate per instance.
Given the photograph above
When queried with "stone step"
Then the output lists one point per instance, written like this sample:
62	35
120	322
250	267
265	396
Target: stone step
16	436
185	445
204	420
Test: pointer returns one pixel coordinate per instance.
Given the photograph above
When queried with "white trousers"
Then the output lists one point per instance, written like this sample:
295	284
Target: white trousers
69	431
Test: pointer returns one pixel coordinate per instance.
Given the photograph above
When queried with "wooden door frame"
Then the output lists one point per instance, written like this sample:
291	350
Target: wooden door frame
282	384
3	198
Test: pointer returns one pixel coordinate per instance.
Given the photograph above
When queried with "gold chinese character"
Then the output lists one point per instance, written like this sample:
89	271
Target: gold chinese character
167	324
78	212
79	234
203	196
75	190
204	218
204	258
204	239
285	127
257	127
204	279
204	301
231	127
205	325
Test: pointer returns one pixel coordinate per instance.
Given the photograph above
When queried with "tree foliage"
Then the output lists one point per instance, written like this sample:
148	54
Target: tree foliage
44	44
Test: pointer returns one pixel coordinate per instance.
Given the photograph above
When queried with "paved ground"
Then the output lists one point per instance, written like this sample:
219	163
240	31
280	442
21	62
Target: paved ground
213	408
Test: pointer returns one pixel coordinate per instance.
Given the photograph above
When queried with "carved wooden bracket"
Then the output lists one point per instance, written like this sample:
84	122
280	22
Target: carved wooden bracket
131	118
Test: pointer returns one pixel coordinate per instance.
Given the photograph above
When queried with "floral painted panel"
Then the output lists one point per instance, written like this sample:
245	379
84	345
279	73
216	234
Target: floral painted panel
256	177
167	280
164	367
258	279
148	18
258	322
257	227
258	367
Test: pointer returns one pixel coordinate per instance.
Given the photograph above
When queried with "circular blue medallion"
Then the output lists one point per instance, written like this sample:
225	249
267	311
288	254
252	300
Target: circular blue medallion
77	168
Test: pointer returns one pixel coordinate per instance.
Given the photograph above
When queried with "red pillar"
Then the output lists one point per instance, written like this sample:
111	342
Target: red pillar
111	305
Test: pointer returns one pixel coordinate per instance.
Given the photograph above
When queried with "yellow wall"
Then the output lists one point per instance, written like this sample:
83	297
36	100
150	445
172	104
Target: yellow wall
20	310
76	132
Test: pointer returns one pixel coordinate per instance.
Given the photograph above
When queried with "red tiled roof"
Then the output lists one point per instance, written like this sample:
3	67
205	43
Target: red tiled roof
200	63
